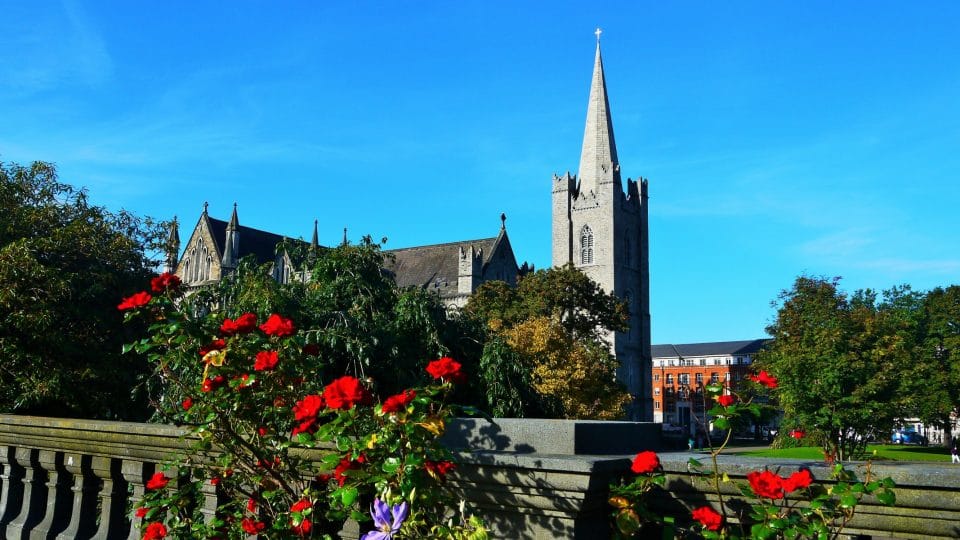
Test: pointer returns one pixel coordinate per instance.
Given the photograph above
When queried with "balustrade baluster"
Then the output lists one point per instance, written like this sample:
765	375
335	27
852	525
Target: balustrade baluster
114	522
34	494
11	487
56	514
85	487
136	473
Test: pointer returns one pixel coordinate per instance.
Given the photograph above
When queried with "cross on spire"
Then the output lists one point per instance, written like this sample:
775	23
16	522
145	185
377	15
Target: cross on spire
598	32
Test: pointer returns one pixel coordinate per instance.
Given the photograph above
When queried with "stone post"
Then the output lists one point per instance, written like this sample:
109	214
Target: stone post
11	487
85	486
114	522
136	474
56	514
34	494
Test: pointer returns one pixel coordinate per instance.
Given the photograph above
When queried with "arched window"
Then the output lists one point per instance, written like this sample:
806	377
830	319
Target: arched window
586	245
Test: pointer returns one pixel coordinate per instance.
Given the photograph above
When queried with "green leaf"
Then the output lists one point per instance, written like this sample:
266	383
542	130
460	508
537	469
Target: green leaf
348	495
848	501
721	423
391	465
887	497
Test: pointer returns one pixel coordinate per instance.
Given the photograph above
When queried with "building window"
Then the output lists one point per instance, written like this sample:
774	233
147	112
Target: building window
699	378
669	378
656	391
586	245
656	377
656	405
726	376
714	378
685	378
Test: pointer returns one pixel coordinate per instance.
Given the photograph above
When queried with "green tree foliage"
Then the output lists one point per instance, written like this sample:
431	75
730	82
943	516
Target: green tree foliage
548	339
563	294
358	319
63	265
838	360
931	384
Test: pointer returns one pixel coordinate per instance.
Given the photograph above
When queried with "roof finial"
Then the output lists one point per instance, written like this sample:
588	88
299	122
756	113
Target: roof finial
503	221
205	205
598	32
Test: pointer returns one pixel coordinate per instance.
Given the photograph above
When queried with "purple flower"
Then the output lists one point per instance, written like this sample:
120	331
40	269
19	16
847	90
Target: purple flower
387	520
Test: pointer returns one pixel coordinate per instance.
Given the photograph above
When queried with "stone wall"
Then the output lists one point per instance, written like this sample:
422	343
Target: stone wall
530	479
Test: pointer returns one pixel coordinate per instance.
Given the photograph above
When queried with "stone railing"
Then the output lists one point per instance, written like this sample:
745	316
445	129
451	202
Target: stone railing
530	479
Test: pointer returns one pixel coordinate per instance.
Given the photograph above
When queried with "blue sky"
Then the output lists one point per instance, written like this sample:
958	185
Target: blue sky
779	138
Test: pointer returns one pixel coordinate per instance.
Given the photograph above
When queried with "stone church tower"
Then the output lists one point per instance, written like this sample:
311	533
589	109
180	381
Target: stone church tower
602	230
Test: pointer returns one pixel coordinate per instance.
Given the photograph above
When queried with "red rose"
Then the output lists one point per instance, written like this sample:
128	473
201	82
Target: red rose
209	385
278	326
155	531
262	431
215	481
302	528
305	411
726	400
344	393
446	368
251	505
157	481
347	465
645	462
764	378
798	480
708	518
140	299
187	403
215	345
165	281
766	484
398	402
438	469
266	360
252	526
141	512
798	434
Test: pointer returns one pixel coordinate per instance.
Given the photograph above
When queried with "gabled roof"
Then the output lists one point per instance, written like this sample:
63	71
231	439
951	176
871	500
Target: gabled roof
261	244
434	266
715	348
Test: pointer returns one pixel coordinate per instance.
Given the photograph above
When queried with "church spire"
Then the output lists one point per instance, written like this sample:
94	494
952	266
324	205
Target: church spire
231	244
598	158
172	247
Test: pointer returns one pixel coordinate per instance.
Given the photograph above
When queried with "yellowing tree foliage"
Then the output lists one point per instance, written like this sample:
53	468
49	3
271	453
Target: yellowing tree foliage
580	375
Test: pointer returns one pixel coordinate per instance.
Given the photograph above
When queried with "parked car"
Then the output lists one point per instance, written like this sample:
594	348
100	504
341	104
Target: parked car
908	436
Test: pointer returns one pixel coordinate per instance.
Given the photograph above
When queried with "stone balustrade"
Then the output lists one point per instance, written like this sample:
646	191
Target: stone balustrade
530	479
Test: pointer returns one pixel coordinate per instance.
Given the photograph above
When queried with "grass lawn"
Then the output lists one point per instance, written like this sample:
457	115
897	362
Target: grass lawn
883	452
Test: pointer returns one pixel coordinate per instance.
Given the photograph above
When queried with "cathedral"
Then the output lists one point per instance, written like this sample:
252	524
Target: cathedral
598	225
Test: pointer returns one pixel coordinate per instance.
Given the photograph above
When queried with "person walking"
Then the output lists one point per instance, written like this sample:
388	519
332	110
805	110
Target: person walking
954	456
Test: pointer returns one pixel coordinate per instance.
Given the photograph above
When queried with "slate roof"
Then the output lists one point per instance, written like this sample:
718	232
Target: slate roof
434	267
260	244
716	348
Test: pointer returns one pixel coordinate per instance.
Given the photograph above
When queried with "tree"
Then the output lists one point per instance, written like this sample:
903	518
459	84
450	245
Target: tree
564	294
63	265
837	359
555	323
931	385
577	375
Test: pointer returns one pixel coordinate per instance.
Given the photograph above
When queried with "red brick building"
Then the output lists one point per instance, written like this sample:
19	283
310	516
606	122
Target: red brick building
680	373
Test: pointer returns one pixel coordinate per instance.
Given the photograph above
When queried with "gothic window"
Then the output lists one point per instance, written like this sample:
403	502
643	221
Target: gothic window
586	245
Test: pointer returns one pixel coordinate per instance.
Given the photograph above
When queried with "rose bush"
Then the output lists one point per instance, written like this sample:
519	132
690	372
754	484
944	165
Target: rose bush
289	449
789	507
